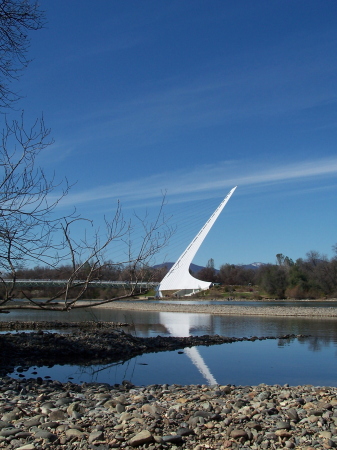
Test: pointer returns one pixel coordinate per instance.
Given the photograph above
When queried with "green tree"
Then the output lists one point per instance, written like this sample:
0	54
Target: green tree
284	261
298	282
273	279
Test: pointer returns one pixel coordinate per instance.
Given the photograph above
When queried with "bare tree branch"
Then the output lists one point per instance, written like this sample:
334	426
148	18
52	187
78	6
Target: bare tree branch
32	234
17	18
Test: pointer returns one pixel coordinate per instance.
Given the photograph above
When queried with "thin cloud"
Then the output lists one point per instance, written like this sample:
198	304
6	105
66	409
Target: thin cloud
215	96
181	185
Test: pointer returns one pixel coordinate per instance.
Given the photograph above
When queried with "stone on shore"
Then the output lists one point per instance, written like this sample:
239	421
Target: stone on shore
143	437
56	416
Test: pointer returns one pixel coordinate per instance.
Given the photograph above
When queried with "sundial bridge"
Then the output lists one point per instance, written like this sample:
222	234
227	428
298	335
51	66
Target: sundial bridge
178	279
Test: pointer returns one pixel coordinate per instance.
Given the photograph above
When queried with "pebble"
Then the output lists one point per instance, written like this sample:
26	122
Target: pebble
99	416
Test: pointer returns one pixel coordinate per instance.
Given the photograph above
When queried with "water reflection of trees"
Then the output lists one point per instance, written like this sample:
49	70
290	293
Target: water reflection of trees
239	326
285	342
93	372
314	343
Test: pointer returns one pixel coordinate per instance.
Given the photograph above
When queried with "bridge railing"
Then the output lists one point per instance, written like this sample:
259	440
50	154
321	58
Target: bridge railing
98	283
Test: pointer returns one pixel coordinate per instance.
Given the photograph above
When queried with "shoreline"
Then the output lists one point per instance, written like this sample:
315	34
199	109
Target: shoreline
329	312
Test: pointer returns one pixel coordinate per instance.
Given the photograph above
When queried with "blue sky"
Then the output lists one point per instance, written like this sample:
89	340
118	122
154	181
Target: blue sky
192	98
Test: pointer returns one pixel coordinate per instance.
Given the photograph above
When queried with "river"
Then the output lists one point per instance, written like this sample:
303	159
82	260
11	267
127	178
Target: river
311	360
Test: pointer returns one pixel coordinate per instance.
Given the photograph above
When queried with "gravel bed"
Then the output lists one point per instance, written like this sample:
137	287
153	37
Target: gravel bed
38	414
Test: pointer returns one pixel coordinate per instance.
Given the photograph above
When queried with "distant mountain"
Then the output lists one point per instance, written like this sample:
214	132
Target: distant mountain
254	265
195	268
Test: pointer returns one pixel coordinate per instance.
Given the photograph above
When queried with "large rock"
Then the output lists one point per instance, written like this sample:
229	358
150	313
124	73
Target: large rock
141	438
57	414
95	436
237	434
44	434
74	408
73	432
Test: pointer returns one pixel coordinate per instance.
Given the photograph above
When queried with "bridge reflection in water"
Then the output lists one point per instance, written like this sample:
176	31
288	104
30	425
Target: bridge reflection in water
179	325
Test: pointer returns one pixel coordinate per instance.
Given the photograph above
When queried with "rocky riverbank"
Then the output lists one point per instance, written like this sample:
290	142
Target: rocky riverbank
15	325
37	414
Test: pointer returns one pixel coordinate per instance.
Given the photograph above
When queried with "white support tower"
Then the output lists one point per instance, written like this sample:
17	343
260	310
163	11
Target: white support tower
179	279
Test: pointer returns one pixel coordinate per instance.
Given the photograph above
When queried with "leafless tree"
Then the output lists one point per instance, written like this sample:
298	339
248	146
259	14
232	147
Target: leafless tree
313	258
30	231
26	222
32	234
207	273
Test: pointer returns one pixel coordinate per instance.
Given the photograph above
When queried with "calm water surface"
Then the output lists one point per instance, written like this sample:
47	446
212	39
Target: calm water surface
310	360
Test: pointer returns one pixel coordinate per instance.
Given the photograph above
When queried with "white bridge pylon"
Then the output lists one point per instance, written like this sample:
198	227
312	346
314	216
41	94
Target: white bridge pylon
179	278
